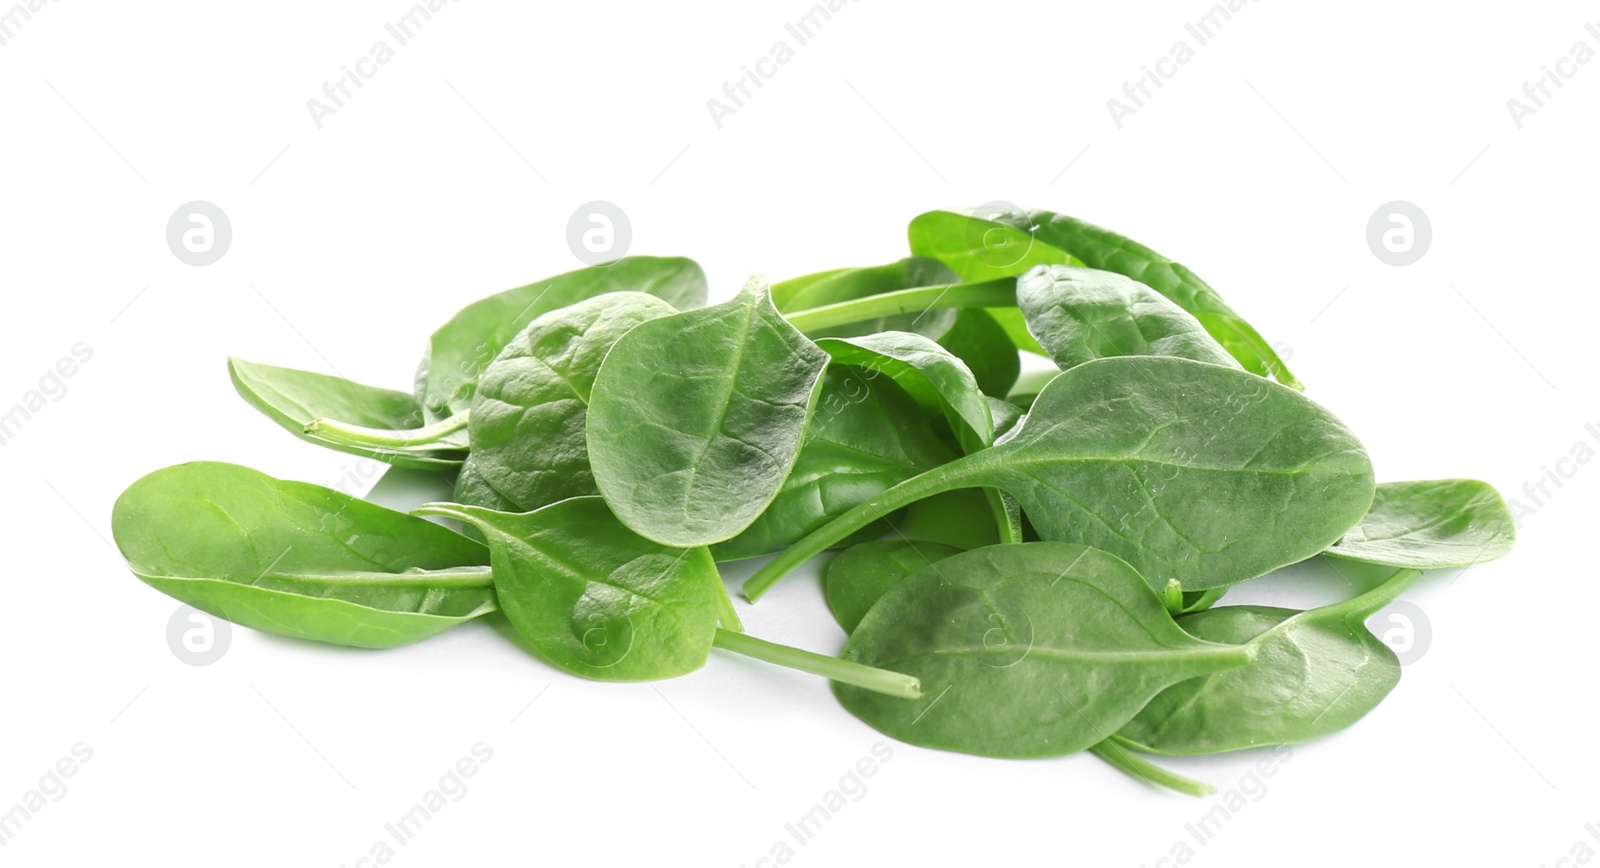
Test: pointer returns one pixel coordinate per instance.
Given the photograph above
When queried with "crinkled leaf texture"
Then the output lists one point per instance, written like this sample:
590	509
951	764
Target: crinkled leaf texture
696	419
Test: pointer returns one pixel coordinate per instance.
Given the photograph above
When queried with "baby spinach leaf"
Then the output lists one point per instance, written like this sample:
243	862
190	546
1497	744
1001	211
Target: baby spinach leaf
1435	524
1191	471
977	338
463	347
295	399
1027	650
942	384
1006	415
856	577
998	297
473	490
1316	672
849	284
594	598
697	418
1199	601
964	518
995	242
296	559
531	404
939	382
865	436
1081	314
599	601
971	334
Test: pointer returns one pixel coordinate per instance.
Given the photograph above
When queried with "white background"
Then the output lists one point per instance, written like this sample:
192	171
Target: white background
452	174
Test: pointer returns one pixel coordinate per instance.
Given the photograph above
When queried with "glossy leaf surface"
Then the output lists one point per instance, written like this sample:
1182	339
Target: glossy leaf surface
298	559
592	597
1027	650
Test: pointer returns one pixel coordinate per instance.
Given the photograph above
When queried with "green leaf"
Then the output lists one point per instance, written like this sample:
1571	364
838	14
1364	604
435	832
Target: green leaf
1081	314
964	518
1000	241
939	382
531	405
595	599
697	418
976	337
858	576
294	399
1430	525
849	284
865	436
296	559
1188	471
473	490
1315	673
1028	650
971	334
942	384
1007	416
463	347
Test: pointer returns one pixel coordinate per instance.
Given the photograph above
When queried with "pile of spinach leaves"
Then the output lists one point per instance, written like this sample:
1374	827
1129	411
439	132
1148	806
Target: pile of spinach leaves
1025	571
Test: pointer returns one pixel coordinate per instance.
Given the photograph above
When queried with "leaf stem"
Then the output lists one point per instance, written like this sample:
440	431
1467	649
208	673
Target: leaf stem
728	616
1135	766
1363	606
1007	515
1000	292
927	484
833	668
1172	597
358	435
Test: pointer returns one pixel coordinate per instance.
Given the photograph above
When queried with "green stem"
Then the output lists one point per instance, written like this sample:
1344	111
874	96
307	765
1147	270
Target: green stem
449	577
358	435
1172	597
1000	292
1205	600
916	488
1138	767
842	671
1007	515
727	616
1354	610
1362	606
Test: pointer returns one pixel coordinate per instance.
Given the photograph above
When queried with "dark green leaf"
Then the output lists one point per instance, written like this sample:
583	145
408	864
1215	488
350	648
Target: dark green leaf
999	241
865	436
977	338
939	382
1315	673
1027	650
1191	471
856	577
